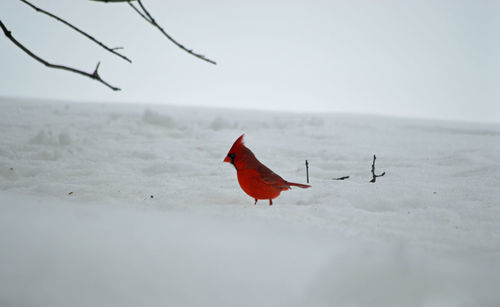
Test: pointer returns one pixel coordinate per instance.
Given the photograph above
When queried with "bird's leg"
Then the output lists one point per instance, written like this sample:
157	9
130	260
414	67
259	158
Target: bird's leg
255	201
270	202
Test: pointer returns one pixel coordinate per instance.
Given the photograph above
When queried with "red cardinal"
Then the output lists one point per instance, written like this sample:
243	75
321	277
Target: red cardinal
255	178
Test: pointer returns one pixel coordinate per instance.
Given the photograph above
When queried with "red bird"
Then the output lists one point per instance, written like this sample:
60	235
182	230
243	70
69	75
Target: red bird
255	178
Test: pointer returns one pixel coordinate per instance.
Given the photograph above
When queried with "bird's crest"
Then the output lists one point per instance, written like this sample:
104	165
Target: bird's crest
238	146
238	143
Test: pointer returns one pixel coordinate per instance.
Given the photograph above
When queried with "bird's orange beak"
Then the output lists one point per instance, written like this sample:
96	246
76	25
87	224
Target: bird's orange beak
226	159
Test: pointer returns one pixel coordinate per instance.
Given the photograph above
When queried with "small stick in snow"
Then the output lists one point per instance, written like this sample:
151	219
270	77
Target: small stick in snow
373	171
341	178
307	171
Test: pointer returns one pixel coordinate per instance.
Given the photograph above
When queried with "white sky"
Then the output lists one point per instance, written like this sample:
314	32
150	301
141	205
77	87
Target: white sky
431	59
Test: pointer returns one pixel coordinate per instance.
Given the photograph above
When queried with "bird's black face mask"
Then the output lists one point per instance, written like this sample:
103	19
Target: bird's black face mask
231	156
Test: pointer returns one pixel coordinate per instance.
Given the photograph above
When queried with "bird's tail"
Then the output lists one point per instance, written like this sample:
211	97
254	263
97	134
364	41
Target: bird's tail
300	185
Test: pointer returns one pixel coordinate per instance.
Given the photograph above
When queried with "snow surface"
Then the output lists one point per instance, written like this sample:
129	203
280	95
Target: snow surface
126	205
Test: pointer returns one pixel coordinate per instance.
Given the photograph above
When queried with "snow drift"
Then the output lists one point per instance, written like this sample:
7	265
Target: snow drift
123	205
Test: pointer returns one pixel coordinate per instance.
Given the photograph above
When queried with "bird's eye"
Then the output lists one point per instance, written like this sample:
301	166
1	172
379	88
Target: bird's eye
231	155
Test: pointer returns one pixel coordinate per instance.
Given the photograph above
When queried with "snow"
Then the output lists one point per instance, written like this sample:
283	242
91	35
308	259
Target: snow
128	205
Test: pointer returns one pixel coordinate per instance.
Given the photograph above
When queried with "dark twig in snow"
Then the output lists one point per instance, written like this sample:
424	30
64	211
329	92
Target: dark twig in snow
373	171
94	75
147	16
112	50
341	178
307	171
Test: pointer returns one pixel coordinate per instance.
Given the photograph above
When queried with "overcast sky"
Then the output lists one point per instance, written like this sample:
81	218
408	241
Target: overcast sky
430	59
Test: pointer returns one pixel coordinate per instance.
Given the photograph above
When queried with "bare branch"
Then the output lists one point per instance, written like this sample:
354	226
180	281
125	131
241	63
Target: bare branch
373	171
94	75
106	1
140	13
341	178
112	50
147	16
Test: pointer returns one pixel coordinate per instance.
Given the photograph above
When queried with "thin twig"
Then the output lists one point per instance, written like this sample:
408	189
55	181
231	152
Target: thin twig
106	1
307	171
341	178
94	75
373	171
140	13
112	50
147	16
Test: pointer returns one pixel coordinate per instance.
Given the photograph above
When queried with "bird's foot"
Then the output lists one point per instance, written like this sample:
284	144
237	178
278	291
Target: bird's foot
255	201
270	202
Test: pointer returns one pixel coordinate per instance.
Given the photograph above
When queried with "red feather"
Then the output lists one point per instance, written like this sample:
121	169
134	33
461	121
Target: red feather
256	179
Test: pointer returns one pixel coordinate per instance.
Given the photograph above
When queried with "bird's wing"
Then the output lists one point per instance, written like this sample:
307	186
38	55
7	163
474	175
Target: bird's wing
271	178
267	176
